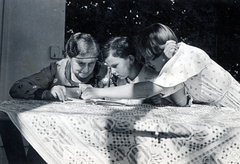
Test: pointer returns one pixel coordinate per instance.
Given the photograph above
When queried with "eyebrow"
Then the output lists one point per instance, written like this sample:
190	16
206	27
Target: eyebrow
86	57
114	65
81	62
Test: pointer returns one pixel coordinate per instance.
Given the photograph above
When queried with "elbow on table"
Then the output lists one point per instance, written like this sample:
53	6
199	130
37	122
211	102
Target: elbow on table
13	92
182	104
185	102
18	91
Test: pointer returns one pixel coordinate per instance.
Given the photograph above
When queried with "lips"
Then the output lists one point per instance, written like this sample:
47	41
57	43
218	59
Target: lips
120	77
83	74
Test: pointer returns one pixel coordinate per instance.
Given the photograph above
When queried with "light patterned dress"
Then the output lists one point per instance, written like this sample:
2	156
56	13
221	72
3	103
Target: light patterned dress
205	80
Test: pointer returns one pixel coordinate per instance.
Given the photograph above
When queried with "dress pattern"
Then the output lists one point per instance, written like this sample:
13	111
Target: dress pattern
204	79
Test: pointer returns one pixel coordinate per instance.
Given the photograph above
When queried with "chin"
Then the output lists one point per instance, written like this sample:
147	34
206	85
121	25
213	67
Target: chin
121	77
83	75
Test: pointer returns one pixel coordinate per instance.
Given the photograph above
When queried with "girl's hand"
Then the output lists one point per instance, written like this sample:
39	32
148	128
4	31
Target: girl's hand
158	100
170	48
23	89
56	92
83	87
90	93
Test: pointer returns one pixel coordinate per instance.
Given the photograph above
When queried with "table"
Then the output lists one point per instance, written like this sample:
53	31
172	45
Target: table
75	132
11	142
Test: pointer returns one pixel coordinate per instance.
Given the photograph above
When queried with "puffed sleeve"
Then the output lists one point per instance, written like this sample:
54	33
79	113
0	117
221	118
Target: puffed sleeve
186	63
32	87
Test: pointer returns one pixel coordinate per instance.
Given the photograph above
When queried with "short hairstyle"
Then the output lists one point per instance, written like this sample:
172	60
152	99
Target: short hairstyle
82	44
152	37
120	47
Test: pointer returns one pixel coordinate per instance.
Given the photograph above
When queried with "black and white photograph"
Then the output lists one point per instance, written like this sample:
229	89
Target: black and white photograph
120	82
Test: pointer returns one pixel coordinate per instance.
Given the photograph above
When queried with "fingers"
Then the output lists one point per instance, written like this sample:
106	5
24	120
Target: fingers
86	94
170	41
167	43
89	93
156	99
170	48
59	92
63	93
83	87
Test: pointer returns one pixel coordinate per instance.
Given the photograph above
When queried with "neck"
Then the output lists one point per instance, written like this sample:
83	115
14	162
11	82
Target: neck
86	79
164	60
135	69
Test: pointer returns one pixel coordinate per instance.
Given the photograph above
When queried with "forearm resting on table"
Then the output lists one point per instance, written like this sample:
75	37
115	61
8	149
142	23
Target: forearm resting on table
71	92
143	90
180	98
130	91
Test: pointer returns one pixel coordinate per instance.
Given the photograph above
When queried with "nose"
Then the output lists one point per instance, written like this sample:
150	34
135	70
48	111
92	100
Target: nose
85	69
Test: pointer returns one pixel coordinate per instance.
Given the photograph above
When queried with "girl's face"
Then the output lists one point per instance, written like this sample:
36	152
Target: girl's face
82	67
120	67
157	63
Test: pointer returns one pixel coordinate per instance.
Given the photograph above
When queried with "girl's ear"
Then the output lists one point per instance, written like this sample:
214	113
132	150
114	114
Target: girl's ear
131	59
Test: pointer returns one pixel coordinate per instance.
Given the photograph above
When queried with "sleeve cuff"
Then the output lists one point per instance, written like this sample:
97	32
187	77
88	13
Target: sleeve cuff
38	94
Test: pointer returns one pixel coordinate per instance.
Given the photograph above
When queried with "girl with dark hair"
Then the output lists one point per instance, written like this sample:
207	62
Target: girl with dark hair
119	53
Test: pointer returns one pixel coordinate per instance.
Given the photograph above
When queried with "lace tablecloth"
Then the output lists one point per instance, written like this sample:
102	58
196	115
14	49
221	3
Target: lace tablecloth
74	132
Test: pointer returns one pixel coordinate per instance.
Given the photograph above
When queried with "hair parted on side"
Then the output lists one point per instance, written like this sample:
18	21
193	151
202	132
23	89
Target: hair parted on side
152	37
82	44
120	47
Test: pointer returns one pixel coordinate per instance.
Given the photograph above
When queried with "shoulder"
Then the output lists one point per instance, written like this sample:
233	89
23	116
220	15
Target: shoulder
62	62
190	55
59	65
149	73
190	49
187	62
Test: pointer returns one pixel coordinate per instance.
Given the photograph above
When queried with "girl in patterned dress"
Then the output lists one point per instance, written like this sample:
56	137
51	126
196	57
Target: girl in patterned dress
187	73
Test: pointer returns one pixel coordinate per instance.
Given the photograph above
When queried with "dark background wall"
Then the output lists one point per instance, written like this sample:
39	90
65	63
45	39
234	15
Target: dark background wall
212	25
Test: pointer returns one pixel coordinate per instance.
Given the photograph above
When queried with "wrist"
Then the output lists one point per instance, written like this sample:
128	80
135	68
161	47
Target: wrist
46	95
99	94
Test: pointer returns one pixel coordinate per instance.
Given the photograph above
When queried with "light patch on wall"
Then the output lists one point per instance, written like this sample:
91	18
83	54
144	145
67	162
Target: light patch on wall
56	53
29	63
